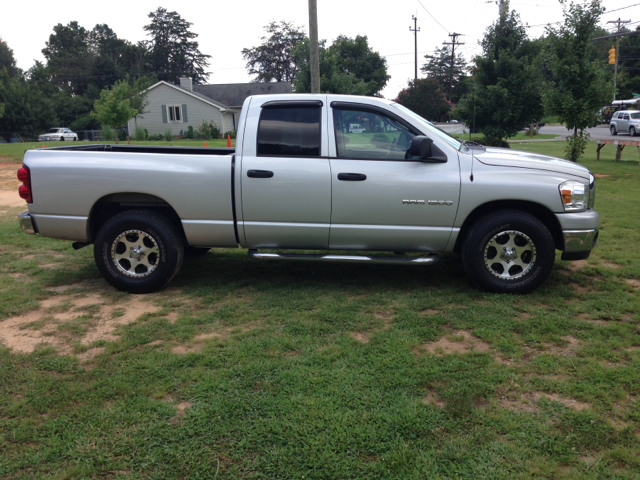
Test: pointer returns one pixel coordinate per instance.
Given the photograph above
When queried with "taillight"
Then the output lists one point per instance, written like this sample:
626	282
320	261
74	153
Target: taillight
24	175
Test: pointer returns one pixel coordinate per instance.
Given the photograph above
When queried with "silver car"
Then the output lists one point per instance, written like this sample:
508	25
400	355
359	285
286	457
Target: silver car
58	134
625	121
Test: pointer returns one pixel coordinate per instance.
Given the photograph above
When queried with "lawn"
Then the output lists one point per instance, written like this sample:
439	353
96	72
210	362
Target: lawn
519	136
243	369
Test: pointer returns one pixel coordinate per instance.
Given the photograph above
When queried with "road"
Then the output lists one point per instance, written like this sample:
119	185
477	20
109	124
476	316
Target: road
601	132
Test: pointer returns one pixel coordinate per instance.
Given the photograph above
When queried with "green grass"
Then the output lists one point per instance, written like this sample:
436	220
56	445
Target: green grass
325	371
519	136
15	151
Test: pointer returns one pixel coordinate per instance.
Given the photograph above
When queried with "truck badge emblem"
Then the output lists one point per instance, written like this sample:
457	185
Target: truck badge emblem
413	202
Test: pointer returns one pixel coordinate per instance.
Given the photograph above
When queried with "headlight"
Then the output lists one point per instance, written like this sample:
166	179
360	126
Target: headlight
574	195
592	190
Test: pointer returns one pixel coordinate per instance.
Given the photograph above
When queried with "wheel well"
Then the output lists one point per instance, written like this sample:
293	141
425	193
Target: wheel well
111	205
541	212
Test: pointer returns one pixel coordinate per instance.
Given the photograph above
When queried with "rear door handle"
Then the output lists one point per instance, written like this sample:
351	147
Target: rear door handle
259	174
352	177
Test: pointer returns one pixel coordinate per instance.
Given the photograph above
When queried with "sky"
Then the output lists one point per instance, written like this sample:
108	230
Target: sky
225	28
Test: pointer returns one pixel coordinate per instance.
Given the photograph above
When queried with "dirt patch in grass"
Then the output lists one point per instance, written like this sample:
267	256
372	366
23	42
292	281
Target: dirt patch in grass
360	337
527	402
608	264
633	283
431	398
577	265
89	355
430	312
458	342
89	319
198	342
11	199
600	175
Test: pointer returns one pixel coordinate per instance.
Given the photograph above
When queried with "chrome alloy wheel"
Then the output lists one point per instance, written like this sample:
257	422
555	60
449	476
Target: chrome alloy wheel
509	255
135	253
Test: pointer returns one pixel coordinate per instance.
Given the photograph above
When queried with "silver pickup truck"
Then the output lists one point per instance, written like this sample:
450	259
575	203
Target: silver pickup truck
299	179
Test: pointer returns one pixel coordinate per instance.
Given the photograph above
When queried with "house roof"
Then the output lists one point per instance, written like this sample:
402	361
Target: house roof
234	94
222	107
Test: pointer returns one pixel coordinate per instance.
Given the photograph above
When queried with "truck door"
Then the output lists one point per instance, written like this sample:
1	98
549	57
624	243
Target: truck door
286	176
383	199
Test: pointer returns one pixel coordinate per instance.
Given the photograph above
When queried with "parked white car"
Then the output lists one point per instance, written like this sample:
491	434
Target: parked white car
58	134
625	121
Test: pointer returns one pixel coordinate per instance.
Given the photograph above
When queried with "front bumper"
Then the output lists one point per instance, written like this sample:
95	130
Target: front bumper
26	223
579	232
579	240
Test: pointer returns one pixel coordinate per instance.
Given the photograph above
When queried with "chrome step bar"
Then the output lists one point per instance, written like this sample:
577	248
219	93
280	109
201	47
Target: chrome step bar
429	259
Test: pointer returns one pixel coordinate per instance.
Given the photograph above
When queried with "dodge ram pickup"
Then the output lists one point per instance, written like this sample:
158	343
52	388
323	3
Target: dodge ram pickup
298	180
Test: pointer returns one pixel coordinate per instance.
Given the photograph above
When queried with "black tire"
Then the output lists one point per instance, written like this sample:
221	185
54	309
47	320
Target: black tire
62	138
190	251
528	242
148	231
75	139
613	130
632	132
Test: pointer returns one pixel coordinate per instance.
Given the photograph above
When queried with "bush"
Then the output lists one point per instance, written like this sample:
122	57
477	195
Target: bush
189	133
140	134
155	136
208	130
108	135
122	135
380	140
232	133
168	134
493	142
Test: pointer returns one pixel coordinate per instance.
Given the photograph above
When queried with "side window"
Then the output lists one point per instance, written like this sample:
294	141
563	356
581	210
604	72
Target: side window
626	116
289	131
174	113
369	136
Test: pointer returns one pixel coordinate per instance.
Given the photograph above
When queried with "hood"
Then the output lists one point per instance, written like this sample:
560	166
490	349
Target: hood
506	157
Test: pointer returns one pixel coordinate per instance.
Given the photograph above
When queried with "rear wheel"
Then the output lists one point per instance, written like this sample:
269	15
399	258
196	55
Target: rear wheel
632	131
508	251
62	138
612	129
138	251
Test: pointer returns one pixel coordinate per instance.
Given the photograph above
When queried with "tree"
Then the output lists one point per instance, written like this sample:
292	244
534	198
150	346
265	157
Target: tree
348	66
113	108
507	96
274	60
579	87
137	95
438	67
173	52
425	96
8	61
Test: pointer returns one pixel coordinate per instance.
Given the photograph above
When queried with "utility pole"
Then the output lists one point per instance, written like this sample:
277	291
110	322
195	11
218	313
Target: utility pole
314	56
415	31
454	36
503	6
615	70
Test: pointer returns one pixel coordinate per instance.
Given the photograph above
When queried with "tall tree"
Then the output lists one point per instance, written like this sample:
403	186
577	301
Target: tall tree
173	51
579	87
113	107
426	97
273	60
8	61
348	66
438	67
507	94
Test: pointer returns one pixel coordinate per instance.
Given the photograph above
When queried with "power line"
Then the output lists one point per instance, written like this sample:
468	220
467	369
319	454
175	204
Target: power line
454	36
415	31
623	8
434	18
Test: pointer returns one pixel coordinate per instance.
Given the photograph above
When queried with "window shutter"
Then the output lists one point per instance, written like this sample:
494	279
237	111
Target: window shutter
163	108
185	118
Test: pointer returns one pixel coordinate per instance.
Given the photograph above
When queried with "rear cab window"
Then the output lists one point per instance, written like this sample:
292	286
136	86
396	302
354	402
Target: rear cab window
290	129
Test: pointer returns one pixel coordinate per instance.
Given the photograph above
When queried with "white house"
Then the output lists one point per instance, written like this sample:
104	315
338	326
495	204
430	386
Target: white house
178	107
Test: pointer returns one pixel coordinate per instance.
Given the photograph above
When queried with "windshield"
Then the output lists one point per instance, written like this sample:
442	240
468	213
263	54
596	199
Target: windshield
52	130
430	127
635	115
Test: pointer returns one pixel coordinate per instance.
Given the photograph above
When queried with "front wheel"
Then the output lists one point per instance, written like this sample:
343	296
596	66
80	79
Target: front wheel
612	129
632	131
508	251
138	251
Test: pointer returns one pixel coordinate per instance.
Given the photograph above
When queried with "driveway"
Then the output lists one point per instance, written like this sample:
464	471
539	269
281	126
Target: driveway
601	132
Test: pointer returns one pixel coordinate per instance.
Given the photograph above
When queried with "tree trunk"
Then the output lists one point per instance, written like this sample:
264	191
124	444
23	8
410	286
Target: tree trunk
115	134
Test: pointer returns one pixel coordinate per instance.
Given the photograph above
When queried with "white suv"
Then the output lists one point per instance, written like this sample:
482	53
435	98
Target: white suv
58	134
625	121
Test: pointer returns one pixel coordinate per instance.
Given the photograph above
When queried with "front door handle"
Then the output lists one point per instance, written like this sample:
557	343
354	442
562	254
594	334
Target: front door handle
352	177
259	174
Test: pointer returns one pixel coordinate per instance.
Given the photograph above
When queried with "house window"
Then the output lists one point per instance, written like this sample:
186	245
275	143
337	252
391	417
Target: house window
174	113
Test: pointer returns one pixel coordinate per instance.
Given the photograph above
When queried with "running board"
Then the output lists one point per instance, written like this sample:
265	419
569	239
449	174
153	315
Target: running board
426	260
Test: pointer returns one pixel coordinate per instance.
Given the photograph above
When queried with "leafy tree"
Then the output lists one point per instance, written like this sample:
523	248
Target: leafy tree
274	60
137	95
628	81
8	61
579	87
425	96
113	107
507	96
172	49
348	66
438	67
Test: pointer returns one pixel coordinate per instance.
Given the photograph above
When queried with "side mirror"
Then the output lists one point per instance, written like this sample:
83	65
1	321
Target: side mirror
421	147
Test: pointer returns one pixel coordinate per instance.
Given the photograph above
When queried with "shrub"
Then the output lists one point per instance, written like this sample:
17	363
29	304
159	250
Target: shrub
204	131
215	130
140	134
122	135
233	133
189	133
155	136
108	134
493	142
168	134
379	140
